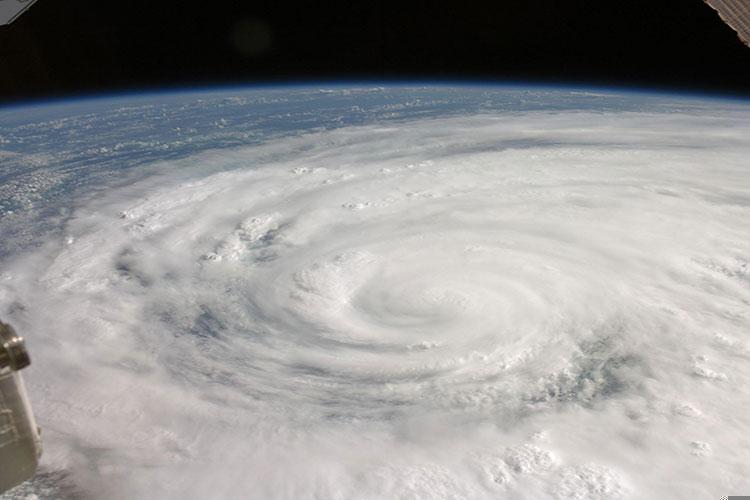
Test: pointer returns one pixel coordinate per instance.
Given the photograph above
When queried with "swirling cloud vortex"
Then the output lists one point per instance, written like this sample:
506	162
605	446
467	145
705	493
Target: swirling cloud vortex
520	305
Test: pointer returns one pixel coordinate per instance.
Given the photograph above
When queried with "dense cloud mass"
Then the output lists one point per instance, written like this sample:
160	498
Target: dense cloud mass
506	303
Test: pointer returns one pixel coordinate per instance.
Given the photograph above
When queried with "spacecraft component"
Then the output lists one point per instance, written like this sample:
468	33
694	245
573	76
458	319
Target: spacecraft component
20	442
11	9
736	13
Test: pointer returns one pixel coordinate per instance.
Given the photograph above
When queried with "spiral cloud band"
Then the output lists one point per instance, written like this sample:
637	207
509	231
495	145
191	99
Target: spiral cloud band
501	304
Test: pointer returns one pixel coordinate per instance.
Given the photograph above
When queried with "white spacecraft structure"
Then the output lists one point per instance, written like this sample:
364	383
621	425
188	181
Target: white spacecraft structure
11	9
20	441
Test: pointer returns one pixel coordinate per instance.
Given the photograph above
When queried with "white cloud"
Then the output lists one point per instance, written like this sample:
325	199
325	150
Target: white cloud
568	273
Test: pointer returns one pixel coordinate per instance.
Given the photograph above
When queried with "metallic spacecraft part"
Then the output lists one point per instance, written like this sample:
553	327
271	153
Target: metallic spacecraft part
20	443
11	9
736	13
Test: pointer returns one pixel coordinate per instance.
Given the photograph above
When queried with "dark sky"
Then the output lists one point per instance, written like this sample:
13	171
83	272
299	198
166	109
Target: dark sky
77	46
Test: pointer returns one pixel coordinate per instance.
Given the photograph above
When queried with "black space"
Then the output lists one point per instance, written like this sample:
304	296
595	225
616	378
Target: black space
79	46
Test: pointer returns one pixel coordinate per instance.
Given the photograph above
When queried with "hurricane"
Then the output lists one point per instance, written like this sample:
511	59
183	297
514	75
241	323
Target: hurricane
528	301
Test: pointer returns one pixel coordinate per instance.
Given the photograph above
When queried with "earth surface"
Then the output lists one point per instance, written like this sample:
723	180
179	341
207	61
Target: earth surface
339	292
